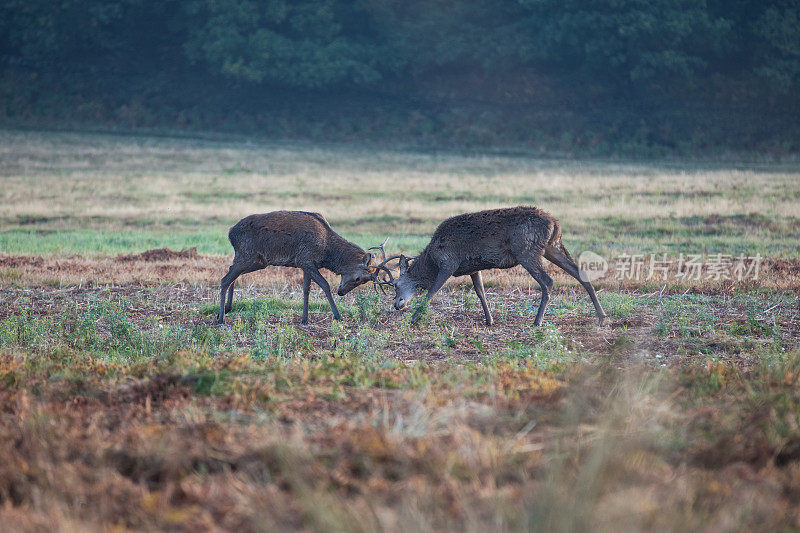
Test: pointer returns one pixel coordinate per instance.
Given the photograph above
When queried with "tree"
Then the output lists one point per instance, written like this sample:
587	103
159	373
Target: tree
304	43
778	57
623	41
87	35
433	34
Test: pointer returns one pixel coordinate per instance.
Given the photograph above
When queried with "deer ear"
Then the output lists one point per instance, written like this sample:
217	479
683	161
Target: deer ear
367	259
403	264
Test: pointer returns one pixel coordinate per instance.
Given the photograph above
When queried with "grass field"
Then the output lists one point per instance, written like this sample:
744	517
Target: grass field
100	194
122	406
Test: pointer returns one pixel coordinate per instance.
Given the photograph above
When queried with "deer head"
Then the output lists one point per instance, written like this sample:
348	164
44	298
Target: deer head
404	286
361	273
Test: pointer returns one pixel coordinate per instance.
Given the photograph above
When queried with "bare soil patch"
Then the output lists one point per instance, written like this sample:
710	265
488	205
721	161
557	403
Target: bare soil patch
163	265
160	254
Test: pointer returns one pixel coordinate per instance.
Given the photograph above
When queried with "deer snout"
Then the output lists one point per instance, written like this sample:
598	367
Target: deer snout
400	303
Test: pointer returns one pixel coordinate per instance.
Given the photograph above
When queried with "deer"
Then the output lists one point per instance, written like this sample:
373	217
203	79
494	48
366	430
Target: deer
497	238
299	239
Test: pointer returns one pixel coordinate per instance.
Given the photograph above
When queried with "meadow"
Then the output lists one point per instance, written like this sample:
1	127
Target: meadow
122	405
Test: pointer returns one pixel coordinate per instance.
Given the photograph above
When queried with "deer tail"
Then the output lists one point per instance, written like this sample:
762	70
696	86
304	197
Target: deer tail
555	241
555	235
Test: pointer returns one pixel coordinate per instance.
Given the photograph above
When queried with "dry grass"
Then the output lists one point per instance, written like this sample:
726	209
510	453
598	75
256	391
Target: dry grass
123	407
75	270
454	438
67	181
374	425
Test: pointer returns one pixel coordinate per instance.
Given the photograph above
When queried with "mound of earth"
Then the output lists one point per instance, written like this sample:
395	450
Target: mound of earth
161	254
16	261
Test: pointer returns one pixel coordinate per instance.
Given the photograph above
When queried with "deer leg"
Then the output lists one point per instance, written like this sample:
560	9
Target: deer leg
229	303
319	279
306	289
558	255
235	270
477	282
545	282
441	278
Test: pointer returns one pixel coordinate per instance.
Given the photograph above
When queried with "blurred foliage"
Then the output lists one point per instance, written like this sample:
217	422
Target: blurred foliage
86	35
322	43
136	62
625	40
307	43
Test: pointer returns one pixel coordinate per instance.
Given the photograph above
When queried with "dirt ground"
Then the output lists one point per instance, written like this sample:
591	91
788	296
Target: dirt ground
173	284
448	440
187	266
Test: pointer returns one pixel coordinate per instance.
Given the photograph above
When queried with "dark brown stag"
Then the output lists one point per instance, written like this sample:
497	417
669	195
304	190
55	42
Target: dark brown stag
497	238
297	239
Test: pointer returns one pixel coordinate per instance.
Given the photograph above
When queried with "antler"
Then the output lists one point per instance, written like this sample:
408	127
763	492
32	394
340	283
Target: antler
376	282
382	267
386	269
380	247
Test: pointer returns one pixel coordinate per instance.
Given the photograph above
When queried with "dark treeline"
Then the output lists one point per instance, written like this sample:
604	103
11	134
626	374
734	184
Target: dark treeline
603	74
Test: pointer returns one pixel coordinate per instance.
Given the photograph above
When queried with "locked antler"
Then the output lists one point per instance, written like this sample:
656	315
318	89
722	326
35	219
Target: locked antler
381	248
376	281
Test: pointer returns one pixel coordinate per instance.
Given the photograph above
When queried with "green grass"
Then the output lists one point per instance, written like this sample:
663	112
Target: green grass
100	242
135	193
680	414
618	305
258	308
686	316
546	350
212	241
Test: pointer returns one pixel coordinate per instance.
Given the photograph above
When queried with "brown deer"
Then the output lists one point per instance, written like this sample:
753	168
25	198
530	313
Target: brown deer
497	238
297	239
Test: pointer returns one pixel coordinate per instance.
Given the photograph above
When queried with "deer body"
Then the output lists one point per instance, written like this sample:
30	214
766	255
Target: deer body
497	238
297	239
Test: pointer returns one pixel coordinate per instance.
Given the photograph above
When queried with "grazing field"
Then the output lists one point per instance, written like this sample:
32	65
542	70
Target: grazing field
122	405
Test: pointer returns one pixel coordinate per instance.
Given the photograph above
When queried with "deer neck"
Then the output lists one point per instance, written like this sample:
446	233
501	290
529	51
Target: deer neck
341	254
423	270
